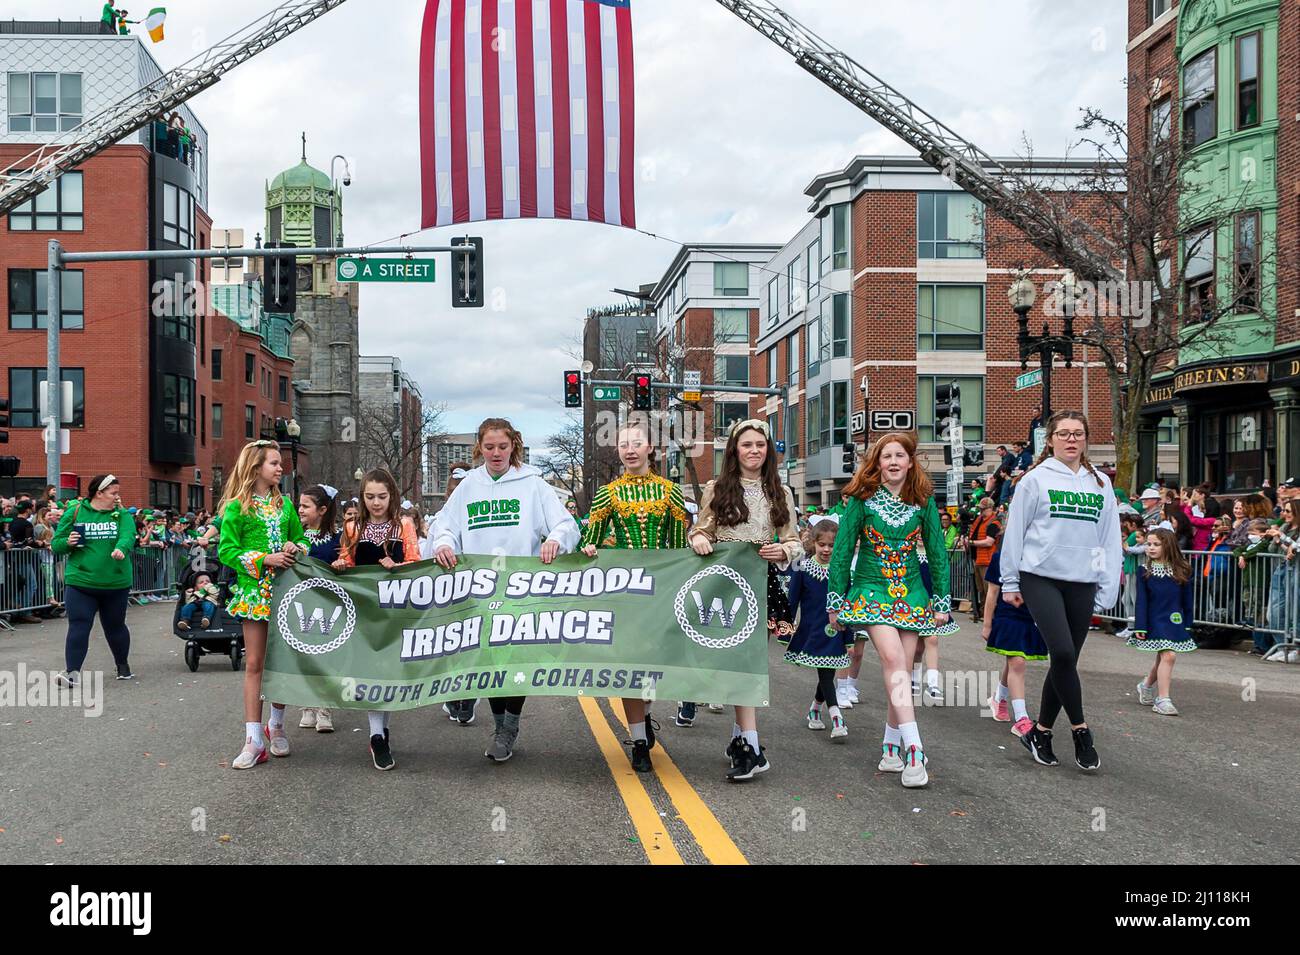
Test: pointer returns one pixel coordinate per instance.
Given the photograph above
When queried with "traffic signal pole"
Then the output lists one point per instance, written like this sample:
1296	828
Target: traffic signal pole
58	259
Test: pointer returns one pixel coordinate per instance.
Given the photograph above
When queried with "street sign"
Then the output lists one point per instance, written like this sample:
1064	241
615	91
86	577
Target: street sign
1040	440
65	402
47	436
954	488
893	420
858	423
606	393
384	270
1029	379
691	385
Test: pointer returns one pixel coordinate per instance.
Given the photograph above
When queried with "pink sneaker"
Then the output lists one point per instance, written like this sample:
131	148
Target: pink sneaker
1023	726
1000	713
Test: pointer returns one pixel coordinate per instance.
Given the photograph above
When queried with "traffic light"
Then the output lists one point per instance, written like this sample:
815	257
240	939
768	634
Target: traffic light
467	275
947	408
641	393
850	458
280	284
573	389
4	420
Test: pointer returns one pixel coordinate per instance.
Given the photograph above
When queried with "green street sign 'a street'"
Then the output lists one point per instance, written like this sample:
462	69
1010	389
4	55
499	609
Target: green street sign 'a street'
606	394
1029	379
384	270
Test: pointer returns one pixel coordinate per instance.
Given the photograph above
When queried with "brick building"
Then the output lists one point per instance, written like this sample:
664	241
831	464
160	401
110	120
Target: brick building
1223	77
391	426
133	342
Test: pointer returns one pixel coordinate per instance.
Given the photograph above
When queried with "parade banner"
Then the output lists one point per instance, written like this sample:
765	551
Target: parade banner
653	624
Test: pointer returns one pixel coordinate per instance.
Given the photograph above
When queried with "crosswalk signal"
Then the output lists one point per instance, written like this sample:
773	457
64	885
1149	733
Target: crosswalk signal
4	420
467	275
280	286
573	389
641	393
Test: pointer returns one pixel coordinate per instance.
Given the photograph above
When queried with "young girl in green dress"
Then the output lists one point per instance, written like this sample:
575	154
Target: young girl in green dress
260	533
892	516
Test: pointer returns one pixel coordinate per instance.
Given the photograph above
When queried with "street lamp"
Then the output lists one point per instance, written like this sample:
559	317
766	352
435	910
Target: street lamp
347	181
289	432
1022	295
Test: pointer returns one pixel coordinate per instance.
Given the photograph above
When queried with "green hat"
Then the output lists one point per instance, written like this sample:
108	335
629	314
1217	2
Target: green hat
147	513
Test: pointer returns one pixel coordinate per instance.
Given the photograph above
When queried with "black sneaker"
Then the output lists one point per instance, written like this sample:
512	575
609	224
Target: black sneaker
124	672
1039	744
733	748
380	754
747	764
1085	754
641	756
650	727
685	714
464	712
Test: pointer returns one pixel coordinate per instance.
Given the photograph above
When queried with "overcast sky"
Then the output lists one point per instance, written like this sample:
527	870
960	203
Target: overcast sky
729	132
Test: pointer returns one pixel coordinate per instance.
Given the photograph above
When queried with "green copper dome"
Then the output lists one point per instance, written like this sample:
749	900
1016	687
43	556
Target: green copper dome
301	175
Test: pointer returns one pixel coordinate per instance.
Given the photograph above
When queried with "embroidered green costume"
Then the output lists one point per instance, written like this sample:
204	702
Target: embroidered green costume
893	540
645	511
247	538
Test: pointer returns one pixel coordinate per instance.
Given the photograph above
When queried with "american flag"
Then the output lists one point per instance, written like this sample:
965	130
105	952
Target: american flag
527	111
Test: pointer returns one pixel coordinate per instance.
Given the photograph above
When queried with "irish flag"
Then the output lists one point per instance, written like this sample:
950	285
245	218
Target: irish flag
154	23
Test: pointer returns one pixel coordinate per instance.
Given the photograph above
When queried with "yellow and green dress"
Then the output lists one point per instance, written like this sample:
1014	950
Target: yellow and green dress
893	540
644	512
247	538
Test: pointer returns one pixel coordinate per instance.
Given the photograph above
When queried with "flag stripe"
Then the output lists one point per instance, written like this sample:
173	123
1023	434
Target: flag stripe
595	116
560	107
442	115
428	142
474	109
627	119
527	105
610	93
507	79
492	175
459	138
544	110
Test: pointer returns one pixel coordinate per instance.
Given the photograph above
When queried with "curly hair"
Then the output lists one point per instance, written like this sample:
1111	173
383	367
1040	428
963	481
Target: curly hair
917	488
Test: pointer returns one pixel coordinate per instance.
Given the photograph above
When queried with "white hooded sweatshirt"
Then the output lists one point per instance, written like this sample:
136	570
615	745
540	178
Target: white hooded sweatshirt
1062	525
512	515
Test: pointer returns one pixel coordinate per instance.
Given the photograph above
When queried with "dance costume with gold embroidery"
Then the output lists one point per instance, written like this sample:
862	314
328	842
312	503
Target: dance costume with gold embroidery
645	512
893	540
247	539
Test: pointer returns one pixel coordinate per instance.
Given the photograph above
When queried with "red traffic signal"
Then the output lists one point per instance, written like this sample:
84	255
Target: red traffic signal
573	389
641	393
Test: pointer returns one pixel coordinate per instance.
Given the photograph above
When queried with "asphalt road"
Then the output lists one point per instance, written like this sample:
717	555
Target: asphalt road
148	780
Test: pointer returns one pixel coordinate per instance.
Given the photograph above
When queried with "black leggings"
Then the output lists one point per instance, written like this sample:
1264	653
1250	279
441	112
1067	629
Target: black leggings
82	606
1062	609
506	704
826	686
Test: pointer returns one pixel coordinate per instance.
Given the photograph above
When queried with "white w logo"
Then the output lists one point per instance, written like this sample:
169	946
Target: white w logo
717	607
305	625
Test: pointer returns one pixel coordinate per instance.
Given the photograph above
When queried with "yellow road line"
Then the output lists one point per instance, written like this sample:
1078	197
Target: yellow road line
650	829
713	840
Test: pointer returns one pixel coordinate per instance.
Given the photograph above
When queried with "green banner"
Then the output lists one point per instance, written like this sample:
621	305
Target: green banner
655	624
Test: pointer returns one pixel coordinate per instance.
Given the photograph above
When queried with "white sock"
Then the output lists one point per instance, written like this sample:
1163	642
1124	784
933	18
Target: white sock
932	678
388	715
892	736
277	718
376	719
638	730
1018	709
751	737
916	673
1002	695
834	711
852	681
911	735
253	731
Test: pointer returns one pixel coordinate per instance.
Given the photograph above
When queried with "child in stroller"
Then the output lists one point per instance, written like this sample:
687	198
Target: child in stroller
217	631
202	598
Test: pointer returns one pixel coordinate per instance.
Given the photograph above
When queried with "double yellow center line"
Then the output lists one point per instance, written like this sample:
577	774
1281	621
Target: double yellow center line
654	836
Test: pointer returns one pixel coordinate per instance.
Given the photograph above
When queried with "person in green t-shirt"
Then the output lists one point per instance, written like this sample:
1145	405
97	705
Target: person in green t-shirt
109	15
98	536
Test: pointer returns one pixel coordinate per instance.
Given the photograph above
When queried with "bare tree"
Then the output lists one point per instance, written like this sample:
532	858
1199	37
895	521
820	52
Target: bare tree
563	464
398	446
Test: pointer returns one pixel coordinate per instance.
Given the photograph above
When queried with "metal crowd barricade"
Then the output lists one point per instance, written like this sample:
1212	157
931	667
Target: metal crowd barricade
961	575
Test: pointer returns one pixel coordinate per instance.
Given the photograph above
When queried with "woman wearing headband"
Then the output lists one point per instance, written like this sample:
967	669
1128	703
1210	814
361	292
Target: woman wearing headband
316	511
97	534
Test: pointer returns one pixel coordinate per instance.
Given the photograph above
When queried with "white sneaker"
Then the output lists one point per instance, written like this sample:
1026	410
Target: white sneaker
716	707
891	760
914	774
838	730
1124	634
1276	655
842	695
68	679
1165	707
278	740
815	719
324	721
934	693
1146	694
1293	655
308	720
249	756
853	690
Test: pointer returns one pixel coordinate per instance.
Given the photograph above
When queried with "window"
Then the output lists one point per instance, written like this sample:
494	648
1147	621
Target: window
730	325
165	495
771	366
791	432
57	209
218	425
793	300
178	216
773	306
813	266
840	225
824	400
175	322
1155	9
816	343
1198	273
949	225
249	427
1167	431
1199	123
25	394
1248	80
274	224
1160	122
216	364
284	388
178	404
839	413
718	454
321	230
972	406
731	370
727	413
814	424
196	497
840	326
949	317
730	279
44	102
250	368
1246	262
792	359
27	300
641	348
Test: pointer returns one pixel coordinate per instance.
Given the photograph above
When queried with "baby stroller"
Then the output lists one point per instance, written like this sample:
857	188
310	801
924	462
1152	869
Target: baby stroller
225	635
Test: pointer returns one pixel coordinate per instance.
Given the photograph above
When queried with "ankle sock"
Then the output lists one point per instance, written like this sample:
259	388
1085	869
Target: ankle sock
1018	709
1002	695
892	736
253	731
376	722
911	735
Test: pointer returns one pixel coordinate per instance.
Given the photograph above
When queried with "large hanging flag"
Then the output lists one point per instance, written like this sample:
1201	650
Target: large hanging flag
154	23
527	111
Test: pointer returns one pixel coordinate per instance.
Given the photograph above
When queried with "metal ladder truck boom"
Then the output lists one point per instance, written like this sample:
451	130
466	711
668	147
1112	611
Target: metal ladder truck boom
35	171
1052	230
